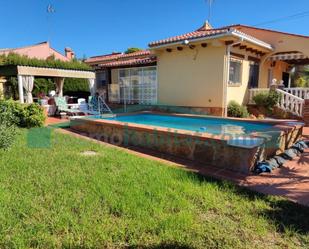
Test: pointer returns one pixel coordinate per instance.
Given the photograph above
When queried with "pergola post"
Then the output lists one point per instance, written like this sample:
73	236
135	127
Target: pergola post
59	86
20	88
92	86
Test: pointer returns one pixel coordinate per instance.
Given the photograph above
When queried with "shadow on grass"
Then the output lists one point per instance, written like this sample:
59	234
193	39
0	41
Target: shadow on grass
283	213
286	214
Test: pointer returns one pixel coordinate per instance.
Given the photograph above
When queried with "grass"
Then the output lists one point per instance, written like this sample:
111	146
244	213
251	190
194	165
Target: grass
58	198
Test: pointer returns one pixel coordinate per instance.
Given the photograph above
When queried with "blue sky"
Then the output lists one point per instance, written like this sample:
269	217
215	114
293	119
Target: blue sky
93	27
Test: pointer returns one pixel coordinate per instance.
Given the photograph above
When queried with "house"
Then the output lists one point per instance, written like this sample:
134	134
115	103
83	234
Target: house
41	50
123	77
205	69
25	73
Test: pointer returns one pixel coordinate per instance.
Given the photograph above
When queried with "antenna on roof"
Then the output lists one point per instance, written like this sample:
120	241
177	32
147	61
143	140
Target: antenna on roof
209	3
50	10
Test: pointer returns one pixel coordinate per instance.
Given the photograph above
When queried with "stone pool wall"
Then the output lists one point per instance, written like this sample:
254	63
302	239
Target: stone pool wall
204	148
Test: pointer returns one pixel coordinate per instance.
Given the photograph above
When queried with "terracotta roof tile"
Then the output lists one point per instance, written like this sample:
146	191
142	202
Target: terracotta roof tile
208	32
200	33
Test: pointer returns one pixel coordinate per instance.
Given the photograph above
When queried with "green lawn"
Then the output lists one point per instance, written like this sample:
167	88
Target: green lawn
58	198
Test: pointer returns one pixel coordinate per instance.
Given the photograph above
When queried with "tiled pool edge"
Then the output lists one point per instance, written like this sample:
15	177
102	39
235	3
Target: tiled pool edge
204	148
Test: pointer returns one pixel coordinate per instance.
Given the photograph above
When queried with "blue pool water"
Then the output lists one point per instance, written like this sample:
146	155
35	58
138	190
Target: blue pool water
197	124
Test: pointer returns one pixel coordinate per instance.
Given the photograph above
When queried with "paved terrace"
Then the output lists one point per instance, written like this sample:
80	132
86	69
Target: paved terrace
290	181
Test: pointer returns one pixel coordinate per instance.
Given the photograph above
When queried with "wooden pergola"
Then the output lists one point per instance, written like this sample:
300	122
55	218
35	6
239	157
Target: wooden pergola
26	74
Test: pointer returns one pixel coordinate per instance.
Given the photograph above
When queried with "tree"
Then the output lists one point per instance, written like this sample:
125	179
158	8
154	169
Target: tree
132	50
300	77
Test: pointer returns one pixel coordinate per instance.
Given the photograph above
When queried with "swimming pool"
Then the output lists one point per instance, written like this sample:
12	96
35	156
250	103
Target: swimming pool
218	126
222	142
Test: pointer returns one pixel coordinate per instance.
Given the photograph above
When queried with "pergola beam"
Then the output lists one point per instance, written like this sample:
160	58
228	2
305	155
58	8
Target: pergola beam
55	72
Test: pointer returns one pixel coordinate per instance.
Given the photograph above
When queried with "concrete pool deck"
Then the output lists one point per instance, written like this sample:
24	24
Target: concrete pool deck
290	181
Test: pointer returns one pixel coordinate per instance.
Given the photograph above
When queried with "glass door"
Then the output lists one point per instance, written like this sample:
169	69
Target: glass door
254	70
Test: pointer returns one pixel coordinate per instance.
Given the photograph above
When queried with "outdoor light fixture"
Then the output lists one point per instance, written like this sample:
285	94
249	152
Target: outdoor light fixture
186	42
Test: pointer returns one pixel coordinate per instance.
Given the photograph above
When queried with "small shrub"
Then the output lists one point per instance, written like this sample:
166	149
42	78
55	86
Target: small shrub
273	99
33	116
267	100
260	99
13	111
236	110
23	115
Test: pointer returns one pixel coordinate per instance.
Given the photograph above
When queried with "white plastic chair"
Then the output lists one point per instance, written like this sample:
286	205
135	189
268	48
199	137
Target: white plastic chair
83	107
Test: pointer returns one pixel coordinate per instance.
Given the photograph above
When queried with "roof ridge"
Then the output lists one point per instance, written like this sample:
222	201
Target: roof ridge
270	30
28	46
110	57
129	62
96	56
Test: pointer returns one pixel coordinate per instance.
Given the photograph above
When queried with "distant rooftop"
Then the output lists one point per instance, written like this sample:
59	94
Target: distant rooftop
143	57
41	50
116	56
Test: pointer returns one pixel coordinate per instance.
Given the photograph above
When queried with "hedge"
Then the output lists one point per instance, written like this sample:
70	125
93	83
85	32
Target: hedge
22	60
72	86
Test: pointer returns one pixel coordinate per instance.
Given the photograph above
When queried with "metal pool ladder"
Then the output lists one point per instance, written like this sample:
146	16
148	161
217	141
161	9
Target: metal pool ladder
104	108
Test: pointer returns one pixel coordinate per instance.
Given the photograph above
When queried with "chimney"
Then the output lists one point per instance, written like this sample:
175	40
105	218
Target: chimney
69	53
207	25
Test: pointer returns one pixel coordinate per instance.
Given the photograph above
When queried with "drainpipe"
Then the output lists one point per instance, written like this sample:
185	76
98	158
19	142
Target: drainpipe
227	75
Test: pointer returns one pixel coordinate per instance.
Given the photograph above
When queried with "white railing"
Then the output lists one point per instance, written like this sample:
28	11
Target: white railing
291	103
301	92
255	91
288	101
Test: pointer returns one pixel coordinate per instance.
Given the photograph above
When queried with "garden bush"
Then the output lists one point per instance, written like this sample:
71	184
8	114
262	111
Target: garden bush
7	128
33	116
7	134
236	110
267	100
23	115
301	82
